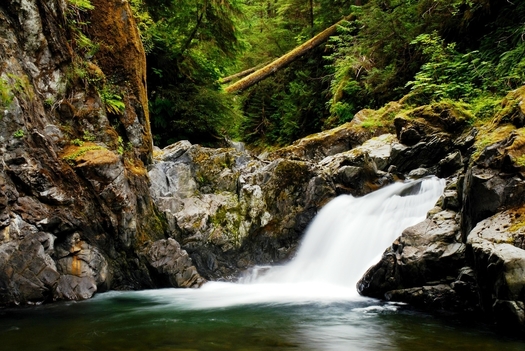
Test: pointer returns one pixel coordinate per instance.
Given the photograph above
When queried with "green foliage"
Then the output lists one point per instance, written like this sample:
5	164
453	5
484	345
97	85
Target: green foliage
288	105
85	44
448	73
120	145
19	133
81	5
6	95
144	23
75	14
76	142
470	50
197	113
421	51
189	43
112	100
88	136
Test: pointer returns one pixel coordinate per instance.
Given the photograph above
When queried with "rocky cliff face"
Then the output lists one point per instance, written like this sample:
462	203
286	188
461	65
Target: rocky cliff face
467	256
75	210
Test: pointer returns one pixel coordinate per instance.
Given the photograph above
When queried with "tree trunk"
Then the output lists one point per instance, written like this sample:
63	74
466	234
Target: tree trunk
284	60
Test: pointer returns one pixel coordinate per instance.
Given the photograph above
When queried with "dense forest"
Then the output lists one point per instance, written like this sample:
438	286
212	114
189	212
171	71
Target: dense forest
470	51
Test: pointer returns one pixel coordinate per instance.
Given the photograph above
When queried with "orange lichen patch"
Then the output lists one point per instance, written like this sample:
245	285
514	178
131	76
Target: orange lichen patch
517	219
96	158
75	266
135	166
88	154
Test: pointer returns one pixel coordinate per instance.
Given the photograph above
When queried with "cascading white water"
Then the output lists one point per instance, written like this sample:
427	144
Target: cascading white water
349	234
346	237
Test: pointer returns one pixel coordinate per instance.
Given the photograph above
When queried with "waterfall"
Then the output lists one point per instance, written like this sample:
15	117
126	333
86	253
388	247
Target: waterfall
346	237
349	234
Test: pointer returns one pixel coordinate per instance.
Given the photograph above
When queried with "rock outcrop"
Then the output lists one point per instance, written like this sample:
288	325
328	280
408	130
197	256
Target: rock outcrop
75	209
468	256
231	210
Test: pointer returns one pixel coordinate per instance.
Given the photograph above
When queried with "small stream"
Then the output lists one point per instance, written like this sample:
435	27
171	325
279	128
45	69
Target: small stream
309	304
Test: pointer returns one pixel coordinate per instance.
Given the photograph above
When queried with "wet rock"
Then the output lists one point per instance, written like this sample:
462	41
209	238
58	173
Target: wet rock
499	262
61	171
76	257
424	267
28	273
71	287
167	257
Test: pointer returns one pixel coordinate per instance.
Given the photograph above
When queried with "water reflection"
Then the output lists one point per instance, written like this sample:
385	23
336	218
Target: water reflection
163	320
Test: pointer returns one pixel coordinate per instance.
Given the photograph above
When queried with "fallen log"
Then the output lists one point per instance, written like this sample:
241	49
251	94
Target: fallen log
284	60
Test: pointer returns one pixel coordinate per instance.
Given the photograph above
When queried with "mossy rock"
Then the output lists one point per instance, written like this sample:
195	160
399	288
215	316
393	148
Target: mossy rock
289	172
446	115
88	154
379	121
513	109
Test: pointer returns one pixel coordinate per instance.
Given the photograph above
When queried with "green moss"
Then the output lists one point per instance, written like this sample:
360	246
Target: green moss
291	172
76	142
6	95
227	222
70	158
383	117
489	136
88	136
517	217
81	5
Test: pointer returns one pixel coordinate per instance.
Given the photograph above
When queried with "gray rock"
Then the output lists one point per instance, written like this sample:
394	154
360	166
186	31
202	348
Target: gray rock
167	257
71	287
424	267
500	266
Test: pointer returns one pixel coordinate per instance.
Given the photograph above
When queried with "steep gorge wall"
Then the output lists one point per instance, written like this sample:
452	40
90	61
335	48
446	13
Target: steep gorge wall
75	211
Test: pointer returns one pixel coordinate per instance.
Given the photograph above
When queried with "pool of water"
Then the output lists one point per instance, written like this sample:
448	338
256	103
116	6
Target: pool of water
176	319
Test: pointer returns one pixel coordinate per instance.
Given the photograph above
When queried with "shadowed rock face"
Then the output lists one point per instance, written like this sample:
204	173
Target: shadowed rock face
75	218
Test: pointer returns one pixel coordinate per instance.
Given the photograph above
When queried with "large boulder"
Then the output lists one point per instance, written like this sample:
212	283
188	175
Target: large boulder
498	254
173	264
425	267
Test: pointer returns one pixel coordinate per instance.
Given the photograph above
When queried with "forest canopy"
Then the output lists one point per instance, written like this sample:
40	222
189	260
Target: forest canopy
470	51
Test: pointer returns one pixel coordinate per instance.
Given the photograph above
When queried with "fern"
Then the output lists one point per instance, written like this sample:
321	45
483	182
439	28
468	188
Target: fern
112	101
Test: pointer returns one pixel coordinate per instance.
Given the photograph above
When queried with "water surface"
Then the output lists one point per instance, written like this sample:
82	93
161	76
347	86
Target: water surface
169	320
